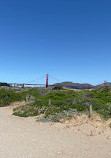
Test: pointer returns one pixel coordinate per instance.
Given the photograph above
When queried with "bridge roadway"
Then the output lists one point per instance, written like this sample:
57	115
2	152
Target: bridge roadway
23	84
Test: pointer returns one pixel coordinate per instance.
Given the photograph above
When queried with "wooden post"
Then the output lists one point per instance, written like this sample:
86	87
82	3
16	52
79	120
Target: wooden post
90	110
49	102
27	99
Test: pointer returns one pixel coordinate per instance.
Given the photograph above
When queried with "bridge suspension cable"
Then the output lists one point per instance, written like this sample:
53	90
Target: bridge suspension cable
54	78
35	79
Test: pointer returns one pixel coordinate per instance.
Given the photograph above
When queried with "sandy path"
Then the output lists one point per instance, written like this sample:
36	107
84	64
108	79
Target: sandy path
25	138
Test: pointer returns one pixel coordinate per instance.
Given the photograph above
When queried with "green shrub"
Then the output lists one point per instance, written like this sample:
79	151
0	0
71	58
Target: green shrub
100	100
8	96
58	88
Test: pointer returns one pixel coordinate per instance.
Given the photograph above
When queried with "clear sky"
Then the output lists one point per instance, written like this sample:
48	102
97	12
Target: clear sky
69	39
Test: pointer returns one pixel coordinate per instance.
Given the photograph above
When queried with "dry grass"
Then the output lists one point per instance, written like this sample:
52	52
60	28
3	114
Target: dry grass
96	120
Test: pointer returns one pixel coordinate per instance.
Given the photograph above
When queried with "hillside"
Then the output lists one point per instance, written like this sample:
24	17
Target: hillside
101	85
74	85
80	86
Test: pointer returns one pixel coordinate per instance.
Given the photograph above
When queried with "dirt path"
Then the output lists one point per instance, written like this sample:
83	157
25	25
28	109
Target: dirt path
25	138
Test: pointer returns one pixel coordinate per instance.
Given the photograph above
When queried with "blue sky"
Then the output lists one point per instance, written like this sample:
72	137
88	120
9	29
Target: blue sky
69	39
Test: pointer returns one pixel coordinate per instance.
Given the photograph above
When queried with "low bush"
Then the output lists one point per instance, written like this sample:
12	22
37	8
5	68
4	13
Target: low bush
60	102
8	96
58	88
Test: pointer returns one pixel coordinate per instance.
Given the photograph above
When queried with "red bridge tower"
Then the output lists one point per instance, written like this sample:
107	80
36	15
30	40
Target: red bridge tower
46	80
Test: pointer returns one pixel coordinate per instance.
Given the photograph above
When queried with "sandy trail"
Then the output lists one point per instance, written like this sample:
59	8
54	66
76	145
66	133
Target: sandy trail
25	138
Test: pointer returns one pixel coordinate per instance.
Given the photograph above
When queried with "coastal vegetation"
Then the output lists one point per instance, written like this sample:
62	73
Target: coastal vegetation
55	104
8	96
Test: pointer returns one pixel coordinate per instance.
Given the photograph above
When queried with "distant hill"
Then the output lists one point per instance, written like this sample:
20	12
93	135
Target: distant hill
101	85
4	84
80	86
74	85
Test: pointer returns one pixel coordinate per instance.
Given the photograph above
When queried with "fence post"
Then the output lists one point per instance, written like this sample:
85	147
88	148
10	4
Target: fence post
49	102
27	99
90	110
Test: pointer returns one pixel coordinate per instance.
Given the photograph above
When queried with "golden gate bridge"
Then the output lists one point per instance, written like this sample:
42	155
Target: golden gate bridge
46	84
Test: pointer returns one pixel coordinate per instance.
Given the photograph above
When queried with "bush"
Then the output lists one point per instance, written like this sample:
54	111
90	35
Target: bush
61	101
8	96
58	88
